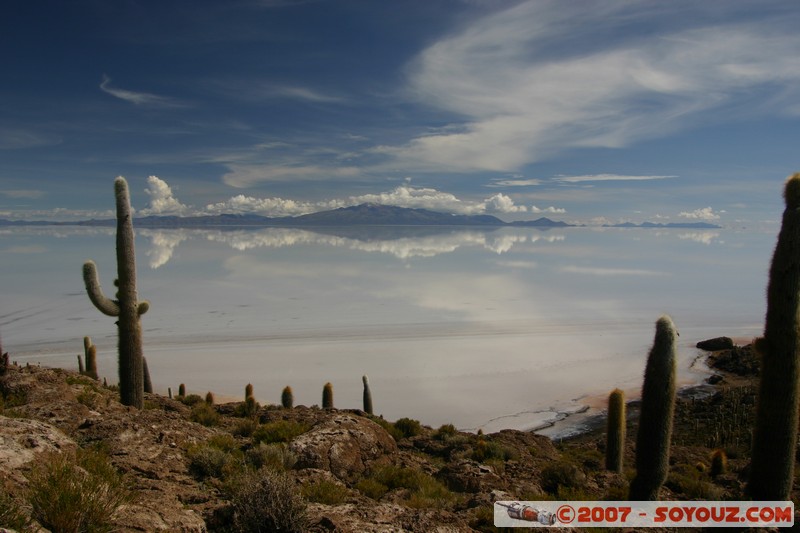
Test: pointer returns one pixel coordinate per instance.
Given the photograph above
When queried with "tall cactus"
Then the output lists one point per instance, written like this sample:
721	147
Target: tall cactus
127	308
367	396
655	418
615	434
775	434
327	396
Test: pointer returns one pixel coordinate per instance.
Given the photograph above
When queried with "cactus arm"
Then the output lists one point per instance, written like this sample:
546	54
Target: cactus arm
144	306
101	302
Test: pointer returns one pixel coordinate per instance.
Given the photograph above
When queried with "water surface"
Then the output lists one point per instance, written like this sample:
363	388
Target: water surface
483	328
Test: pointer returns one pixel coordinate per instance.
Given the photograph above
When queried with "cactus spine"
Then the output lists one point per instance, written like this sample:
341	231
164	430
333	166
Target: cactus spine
655	420
775	434
327	396
127	308
287	397
367	396
615	434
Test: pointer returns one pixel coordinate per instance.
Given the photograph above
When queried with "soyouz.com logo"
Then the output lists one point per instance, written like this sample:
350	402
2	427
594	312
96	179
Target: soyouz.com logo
642	514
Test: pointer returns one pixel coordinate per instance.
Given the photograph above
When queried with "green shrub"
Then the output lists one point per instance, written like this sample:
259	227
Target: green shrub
326	492
273	456
372	488
76	492
264	500
408	427
486	450
279	431
389	427
12	514
445	432
191	399
205	414
244	428
207	460
560	475
425	490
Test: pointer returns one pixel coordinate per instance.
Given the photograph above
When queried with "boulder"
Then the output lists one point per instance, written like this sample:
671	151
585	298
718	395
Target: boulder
344	444
716	344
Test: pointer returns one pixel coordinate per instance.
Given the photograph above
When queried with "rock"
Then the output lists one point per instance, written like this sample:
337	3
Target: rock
714	379
716	344
344	444
740	361
22	439
469	476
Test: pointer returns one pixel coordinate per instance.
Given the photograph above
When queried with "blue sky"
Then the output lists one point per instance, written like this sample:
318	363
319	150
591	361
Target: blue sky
582	111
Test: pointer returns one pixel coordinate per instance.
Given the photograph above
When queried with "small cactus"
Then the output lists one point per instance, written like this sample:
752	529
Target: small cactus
367	396
181	390
775	433
615	434
91	361
719	463
287	397
327	396
250	406
148	385
169	392
126	308
248	391
655	418
210	398
81	369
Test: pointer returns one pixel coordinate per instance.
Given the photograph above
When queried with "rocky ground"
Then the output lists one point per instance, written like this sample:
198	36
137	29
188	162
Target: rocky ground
183	458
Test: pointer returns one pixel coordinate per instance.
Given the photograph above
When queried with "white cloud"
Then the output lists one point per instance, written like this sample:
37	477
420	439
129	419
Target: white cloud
599	271
551	209
275	207
515	182
245	175
137	98
705	213
500	203
607	177
514	103
162	201
31	194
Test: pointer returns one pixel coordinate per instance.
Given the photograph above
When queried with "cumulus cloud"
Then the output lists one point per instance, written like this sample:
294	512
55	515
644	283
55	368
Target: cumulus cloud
162	201
705	213
276	207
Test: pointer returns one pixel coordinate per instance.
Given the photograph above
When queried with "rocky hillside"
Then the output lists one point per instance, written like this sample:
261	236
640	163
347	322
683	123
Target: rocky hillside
195	466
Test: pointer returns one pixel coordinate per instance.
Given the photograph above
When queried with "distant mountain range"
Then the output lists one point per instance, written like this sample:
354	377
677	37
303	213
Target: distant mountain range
358	215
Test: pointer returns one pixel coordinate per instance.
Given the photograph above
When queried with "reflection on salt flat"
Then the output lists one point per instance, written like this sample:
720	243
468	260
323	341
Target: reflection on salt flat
482	328
163	243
